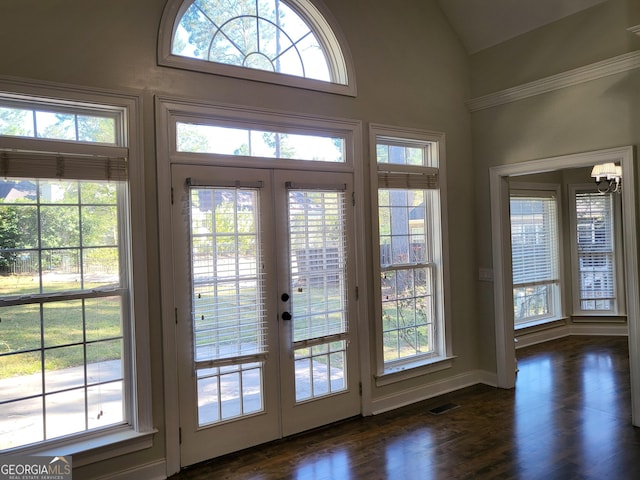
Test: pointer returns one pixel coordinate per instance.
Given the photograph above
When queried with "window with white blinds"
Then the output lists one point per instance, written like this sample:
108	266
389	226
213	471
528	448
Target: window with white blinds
409	179
595	247
535	257
71	367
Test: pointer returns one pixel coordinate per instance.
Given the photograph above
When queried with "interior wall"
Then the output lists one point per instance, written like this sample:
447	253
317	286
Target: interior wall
411	71
590	116
590	36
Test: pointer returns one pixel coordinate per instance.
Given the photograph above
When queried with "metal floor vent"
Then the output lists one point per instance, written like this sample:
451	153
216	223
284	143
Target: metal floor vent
443	408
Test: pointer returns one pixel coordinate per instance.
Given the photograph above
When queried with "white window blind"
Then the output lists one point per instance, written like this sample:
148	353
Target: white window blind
67	166
595	248
318	249
229	324
534	236
534	249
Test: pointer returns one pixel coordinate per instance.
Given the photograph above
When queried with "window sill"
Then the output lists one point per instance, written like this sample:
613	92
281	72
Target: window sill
94	448
543	322
599	317
407	371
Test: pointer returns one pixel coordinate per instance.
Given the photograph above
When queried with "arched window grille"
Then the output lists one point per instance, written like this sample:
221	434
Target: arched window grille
287	42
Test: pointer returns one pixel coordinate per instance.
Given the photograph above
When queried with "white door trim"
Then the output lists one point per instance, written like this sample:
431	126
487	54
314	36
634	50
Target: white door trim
166	111
504	329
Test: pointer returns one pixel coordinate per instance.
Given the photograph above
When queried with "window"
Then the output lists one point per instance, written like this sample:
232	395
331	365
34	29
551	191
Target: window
202	138
67	352
22	119
595	252
411	329
535	256
288	42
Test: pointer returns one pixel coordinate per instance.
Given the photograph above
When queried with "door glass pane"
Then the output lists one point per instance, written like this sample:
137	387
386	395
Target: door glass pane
317	242
229	324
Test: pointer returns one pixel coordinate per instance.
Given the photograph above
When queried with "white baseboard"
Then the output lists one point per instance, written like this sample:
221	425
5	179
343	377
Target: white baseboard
586	328
430	390
599	329
541	336
149	471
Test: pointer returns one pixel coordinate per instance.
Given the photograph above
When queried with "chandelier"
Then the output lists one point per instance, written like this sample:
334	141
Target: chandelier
608	177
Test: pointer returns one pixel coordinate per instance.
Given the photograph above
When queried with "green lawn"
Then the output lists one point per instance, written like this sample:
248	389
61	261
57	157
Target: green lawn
55	326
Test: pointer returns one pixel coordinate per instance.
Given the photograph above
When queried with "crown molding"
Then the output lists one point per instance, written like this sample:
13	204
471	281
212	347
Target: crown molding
635	29
611	66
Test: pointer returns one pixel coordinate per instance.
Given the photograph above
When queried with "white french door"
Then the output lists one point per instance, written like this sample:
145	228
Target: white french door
265	305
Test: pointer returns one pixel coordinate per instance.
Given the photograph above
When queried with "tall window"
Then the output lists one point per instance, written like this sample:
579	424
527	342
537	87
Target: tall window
66	303
256	39
595	252
411	303
535	256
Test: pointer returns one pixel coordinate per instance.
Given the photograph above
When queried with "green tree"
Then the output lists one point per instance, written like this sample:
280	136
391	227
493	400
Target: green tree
82	128
9	236
226	31
16	122
18	224
279	144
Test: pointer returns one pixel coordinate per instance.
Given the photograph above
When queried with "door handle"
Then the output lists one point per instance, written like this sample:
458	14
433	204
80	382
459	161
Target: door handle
286	316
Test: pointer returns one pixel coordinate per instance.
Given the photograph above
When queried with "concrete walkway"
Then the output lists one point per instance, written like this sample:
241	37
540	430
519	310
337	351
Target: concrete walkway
70	410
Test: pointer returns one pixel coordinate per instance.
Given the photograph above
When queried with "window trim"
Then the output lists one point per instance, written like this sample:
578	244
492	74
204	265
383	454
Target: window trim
101	444
234	116
619	301
319	19
533	189
392	372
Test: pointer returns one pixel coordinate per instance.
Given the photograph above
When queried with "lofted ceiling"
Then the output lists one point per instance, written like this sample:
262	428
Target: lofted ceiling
484	23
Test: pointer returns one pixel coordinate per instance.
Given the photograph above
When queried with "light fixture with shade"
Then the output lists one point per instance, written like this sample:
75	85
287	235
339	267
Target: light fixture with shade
608	177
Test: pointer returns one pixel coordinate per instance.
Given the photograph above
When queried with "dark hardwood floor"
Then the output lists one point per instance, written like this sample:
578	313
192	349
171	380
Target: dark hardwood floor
569	417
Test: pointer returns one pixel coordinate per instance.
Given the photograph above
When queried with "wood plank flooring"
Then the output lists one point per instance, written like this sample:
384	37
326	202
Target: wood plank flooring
569	417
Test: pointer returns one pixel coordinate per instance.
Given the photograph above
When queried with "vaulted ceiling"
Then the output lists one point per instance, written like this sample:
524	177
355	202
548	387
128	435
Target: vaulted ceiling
484	23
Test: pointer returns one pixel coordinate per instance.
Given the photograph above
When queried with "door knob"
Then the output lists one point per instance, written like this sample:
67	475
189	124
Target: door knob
284	297
286	316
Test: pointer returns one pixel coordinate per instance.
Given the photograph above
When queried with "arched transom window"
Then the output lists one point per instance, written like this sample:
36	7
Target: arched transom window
288	42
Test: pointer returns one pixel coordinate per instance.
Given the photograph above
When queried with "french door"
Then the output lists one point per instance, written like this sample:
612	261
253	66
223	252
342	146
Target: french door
265	299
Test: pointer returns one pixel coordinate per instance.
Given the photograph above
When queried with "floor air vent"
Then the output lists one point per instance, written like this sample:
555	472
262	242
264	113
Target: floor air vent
443	408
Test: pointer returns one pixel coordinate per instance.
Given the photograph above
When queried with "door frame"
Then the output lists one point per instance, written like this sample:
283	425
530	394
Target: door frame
167	110
501	252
